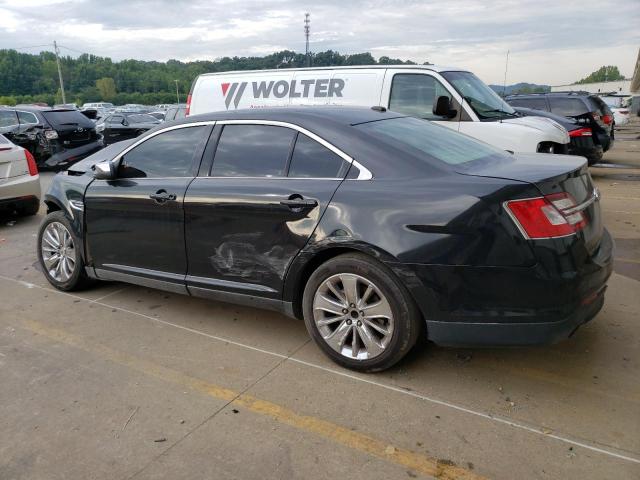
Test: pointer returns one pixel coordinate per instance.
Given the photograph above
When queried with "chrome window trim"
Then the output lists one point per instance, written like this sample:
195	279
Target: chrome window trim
363	172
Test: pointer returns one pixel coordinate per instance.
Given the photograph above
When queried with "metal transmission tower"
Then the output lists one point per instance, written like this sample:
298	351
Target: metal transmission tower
307	27
57	51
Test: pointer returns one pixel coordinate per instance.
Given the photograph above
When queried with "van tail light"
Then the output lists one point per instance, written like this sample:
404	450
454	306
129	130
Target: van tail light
546	217
188	105
607	119
580	132
31	163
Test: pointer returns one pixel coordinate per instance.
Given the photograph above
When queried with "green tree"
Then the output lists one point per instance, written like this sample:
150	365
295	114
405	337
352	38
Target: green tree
607	73
107	88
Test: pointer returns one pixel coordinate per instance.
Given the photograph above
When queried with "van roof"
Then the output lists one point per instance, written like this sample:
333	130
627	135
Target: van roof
433	68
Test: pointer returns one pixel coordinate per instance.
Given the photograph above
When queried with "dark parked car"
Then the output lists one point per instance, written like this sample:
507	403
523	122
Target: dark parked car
56	138
122	126
368	224
588	109
580	136
175	112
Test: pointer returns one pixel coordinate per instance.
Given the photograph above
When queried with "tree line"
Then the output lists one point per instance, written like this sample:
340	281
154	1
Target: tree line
29	78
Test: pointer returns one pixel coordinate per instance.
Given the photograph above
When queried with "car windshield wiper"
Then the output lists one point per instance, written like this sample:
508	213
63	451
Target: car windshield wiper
497	110
70	123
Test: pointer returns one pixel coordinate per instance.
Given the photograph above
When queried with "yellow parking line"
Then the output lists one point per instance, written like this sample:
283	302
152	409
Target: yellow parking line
626	260
406	458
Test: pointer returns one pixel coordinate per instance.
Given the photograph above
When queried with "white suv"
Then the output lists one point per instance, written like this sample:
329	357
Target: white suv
19	179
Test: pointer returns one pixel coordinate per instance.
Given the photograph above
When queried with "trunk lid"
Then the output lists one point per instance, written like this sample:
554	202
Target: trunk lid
552	174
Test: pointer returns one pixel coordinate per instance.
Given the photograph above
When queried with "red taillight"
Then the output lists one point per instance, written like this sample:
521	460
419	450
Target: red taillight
31	162
607	119
188	105
546	217
580	132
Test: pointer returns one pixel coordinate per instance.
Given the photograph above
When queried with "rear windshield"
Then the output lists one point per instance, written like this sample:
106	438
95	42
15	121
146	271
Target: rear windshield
142	118
431	141
65	119
600	106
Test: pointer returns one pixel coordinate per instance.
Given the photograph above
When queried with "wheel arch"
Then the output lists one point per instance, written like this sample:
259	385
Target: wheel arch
307	262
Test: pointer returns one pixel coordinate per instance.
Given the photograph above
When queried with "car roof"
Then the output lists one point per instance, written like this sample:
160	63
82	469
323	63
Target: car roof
303	116
433	68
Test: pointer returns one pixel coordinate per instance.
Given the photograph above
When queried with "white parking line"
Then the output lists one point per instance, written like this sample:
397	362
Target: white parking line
545	432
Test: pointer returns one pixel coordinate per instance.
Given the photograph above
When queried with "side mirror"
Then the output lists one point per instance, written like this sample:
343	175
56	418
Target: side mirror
124	122
442	108
104	171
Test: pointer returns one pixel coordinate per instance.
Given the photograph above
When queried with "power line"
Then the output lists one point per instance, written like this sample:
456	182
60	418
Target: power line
32	46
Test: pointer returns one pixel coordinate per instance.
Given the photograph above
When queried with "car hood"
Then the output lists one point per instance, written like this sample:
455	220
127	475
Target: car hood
107	153
556	132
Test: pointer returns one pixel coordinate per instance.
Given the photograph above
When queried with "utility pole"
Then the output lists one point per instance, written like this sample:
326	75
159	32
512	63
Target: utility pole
307	27
177	93
55	48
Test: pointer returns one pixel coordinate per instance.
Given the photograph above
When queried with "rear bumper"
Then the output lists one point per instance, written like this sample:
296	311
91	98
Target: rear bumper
513	334
67	157
469	305
17	189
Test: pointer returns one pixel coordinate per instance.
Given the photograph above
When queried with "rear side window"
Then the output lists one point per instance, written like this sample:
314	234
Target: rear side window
535	103
568	107
168	154
429	141
8	118
27	118
312	160
416	95
252	151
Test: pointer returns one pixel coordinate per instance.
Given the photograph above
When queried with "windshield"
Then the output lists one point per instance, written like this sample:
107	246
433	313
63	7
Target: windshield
484	101
141	118
430	141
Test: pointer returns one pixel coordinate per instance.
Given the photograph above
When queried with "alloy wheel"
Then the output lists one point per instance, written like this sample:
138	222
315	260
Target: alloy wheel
58	252
353	316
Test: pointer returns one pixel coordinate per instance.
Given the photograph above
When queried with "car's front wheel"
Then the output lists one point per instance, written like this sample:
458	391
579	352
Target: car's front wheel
59	253
359	314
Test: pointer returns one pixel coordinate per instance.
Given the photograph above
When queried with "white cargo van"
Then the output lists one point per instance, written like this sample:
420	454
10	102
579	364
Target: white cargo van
448	96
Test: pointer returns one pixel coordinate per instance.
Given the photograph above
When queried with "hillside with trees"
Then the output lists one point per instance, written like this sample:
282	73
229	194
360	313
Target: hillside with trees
607	73
27	78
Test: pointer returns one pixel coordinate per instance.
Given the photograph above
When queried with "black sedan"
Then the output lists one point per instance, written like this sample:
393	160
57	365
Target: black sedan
56	137
122	126
580	135
369	225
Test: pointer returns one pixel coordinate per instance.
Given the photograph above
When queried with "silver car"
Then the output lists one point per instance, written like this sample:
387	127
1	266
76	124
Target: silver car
19	179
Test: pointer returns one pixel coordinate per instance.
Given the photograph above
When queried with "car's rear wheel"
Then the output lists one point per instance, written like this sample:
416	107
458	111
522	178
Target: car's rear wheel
359	314
59	253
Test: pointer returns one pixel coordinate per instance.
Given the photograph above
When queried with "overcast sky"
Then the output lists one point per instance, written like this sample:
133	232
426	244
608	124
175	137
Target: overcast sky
551	41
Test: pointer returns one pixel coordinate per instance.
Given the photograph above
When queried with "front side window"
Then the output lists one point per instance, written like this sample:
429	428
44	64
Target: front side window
27	118
567	107
252	151
312	160
428	141
142	118
116	119
8	118
482	99
168	154
416	95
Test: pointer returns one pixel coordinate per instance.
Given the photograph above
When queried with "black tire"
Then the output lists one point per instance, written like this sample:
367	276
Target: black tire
29	208
406	316
595	157
78	279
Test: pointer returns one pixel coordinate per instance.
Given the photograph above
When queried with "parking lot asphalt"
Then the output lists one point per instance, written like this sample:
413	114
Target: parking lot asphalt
121	382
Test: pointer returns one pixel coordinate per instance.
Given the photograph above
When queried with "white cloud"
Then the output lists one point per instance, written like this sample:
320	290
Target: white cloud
550	41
